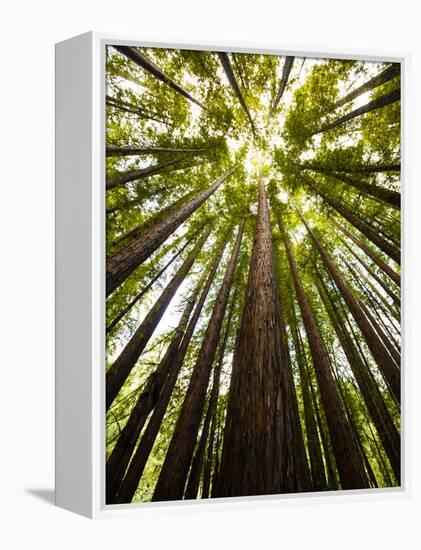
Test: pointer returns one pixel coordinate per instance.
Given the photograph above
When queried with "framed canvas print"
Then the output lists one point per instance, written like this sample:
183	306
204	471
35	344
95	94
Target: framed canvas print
228	274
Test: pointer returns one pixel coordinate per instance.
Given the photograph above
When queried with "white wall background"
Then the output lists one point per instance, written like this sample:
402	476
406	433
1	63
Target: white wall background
29	30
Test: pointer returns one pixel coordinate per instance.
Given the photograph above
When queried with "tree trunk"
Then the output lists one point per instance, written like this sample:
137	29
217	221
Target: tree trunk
357	169
117	374
376	346
289	61
137	465
172	479
386	75
226	64
145	289
346	453
372	235
382	101
132	175
371	395
123	263
135	56
129	108
393	276
130	150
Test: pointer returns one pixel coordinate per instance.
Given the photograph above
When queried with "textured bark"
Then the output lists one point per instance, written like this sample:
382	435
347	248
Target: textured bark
346	453
386	196
117	374
370	393
123	263
378	103
364	228
123	449
135	56
318	476
226	64
132	175
380	354
289	61
173	476
145	289
256	445
130	150
138	463
393	276
198	459
390	72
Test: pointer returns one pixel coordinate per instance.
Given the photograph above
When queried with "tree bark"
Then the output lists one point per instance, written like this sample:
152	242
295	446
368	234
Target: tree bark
365	229
137	465
117	374
358	169
130	150
371	395
145	289
132	175
346	453
289	61
380	354
123	263
381	78
129	108
226	64
172	479
382	101
135	56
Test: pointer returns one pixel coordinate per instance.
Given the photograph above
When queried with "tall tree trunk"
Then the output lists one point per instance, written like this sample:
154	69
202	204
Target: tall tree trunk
197	463
130	150
346	453
371	395
364	228
289	61
390	72
135	56
145	289
126	443
123	263
172	479
256	444
132	175
357	169
138	463
376	346
386	196
319	481
117	374
393	276
226	64
129	108
377	103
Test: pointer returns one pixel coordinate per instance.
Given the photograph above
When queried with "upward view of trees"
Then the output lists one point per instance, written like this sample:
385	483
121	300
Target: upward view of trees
252	274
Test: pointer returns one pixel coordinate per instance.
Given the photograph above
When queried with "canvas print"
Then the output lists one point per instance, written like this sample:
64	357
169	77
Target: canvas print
252	274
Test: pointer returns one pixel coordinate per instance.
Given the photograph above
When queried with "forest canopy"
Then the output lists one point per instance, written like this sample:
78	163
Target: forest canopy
252	274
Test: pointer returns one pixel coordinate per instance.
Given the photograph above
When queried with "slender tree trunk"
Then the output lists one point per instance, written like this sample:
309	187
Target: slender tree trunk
197	463
372	235
138	463
390	72
126	443
117	374
226	64
135	56
145	289
373	399
289	61
132	175
357	169
123	263
257	442
376	346
346	453
129	108
381	101
393	276
172	479
129	150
